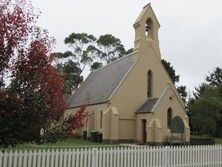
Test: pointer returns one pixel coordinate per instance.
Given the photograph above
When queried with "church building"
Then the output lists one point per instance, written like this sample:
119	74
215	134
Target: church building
133	99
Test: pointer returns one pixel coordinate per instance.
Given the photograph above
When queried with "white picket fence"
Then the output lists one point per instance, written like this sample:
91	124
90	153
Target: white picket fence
189	156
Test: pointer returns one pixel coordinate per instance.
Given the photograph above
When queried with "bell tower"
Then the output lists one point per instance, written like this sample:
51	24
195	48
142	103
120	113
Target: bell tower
146	30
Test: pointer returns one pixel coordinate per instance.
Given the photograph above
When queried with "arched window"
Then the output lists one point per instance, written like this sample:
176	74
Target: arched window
169	117
101	119
149	27
149	83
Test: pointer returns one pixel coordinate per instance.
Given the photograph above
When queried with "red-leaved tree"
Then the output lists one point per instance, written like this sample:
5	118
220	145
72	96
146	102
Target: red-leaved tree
16	22
33	98
76	121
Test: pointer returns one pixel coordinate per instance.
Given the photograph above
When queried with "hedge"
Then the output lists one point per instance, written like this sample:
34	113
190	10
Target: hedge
202	140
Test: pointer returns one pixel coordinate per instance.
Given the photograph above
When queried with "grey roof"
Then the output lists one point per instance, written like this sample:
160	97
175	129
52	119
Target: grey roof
147	106
100	84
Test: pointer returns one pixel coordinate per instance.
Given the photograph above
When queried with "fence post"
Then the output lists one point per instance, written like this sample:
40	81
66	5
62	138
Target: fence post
1	157
94	157
166	157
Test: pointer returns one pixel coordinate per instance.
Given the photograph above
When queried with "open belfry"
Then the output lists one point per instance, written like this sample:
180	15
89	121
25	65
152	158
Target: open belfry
133	98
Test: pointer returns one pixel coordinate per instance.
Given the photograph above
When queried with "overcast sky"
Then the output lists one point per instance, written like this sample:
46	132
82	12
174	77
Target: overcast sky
190	35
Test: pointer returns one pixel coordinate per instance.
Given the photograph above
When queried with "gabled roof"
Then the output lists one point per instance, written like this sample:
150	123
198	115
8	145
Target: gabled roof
145	9
147	106
166	89
101	83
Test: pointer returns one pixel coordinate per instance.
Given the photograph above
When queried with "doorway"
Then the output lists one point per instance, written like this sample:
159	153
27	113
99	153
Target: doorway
144	132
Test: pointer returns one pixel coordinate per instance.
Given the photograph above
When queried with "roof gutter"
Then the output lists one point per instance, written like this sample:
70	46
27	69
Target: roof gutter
92	104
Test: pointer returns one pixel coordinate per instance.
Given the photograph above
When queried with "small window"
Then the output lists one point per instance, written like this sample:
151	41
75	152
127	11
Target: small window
169	118
149	83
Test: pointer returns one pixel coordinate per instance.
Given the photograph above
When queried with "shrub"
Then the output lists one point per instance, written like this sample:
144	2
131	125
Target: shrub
203	140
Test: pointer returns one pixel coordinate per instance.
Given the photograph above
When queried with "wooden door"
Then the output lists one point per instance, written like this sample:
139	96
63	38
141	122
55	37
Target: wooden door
144	132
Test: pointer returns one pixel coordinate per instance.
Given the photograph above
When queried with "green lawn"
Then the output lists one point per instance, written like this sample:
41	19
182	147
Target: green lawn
73	143
218	140
67	143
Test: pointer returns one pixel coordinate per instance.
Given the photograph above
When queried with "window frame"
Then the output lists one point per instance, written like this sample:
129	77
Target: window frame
169	117
149	84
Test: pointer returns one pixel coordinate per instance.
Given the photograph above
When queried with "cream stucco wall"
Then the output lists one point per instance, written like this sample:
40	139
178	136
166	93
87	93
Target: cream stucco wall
139	117
119	120
132	93
95	116
177	110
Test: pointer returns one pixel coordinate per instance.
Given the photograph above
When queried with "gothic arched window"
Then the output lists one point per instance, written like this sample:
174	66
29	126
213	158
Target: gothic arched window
169	117
149	27
149	83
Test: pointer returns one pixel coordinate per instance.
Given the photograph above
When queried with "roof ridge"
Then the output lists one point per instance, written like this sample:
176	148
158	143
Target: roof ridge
147	5
128	55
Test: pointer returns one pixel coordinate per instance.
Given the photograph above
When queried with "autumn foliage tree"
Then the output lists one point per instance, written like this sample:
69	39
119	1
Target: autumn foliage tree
16	22
33	98
73	122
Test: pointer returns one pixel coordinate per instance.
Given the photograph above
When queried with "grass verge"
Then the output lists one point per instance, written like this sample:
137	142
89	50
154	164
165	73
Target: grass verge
74	142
